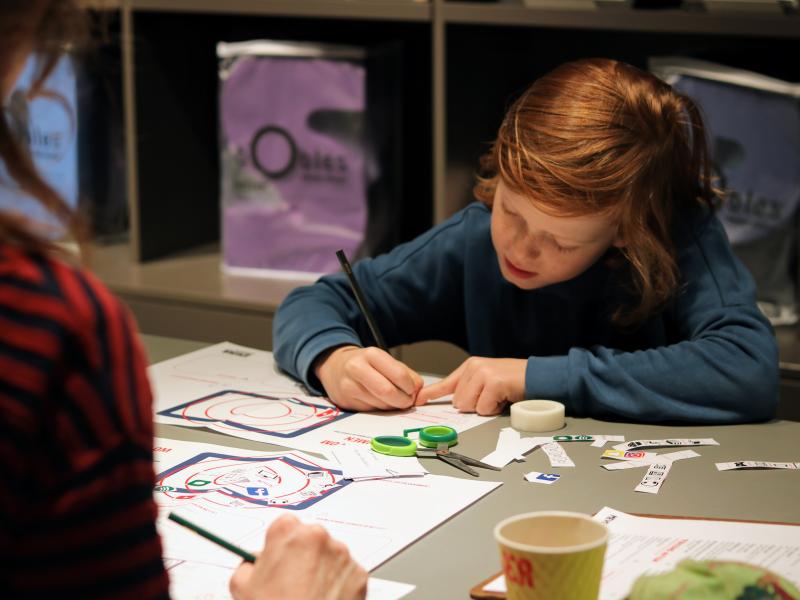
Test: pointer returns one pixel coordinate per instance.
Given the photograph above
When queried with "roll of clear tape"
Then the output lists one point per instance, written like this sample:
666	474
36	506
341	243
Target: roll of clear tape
537	415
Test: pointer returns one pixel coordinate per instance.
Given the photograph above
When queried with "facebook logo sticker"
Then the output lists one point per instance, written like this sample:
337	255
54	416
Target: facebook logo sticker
257	491
546	478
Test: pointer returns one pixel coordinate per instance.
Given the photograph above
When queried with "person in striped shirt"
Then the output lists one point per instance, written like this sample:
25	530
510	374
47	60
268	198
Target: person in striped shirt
77	516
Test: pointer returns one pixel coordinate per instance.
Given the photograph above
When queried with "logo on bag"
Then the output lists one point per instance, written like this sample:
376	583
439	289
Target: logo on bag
276	155
48	139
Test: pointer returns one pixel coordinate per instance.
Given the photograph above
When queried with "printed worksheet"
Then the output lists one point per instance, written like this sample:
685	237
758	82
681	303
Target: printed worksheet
237	493
646	546
240	392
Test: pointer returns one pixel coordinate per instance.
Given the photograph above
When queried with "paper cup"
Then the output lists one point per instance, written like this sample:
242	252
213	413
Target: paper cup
552	554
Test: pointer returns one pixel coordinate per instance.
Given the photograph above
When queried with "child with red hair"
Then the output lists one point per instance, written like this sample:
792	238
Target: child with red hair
592	272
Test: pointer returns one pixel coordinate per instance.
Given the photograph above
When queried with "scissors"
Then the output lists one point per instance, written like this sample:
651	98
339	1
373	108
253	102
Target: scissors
436	441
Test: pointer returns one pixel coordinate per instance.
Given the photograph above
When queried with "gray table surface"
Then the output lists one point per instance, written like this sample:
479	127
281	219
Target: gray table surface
452	558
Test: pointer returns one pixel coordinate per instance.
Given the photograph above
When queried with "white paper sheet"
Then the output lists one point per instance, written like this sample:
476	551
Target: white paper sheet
236	494
240	392
363	463
199	581
644	545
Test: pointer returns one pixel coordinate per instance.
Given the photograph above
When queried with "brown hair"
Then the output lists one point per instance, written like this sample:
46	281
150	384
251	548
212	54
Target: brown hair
600	136
48	28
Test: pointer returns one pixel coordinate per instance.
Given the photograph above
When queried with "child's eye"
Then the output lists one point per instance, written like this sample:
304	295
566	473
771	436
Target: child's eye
565	249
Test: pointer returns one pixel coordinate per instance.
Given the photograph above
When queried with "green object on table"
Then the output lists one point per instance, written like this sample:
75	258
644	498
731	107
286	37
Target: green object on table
714	580
430	437
433	435
394	445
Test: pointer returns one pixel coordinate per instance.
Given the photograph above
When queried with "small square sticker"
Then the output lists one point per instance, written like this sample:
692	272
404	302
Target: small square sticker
546	478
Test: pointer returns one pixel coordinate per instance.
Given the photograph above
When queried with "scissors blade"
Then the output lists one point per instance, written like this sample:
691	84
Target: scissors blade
458	464
474	462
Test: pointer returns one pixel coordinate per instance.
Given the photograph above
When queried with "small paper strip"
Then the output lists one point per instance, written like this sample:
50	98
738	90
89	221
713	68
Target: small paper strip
635	444
655	476
756	464
628	454
557	455
632	464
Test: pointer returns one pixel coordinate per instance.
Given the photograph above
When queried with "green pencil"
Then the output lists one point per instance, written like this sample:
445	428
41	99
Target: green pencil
211	537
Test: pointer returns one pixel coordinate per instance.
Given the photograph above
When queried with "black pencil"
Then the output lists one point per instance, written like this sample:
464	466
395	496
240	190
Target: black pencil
211	537
373	327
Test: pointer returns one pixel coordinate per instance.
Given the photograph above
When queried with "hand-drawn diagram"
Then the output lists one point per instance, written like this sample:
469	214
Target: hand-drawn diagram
241	392
288	481
230	411
234	493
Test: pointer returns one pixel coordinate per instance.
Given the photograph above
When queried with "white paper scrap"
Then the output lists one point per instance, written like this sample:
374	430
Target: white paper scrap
511	447
383	589
600	440
634	444
193	580
628	455
654	478
756	464
363	463
546	478
557	455
632	464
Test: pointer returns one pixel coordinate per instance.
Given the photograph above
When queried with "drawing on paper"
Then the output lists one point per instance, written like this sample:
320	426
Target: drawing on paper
284	481
258	413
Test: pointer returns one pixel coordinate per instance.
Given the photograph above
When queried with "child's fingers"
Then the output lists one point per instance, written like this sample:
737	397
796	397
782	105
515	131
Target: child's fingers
381	393
489	402
366	401
440	388
467	392
395	371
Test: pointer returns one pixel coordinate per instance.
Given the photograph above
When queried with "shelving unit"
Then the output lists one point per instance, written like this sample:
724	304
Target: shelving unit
463	62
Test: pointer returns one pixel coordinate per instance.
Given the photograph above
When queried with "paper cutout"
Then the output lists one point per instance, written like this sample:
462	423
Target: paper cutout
545	478
636	444
557	455
756	464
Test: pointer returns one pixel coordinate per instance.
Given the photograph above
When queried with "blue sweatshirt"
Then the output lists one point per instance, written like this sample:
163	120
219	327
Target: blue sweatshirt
709	357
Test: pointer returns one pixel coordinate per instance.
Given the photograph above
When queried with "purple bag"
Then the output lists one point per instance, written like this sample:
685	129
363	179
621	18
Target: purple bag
294	187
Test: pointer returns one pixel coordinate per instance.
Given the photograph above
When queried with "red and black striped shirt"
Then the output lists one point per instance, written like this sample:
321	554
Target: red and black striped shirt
77	515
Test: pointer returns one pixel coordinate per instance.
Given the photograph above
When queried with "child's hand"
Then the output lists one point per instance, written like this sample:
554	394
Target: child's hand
481	385
366	379
299	562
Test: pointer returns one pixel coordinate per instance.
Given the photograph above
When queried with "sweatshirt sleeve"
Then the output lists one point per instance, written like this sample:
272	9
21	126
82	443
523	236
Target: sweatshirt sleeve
722	369
422	277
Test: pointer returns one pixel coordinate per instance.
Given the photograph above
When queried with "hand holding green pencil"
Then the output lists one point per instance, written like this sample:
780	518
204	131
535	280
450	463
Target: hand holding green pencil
298	562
